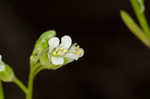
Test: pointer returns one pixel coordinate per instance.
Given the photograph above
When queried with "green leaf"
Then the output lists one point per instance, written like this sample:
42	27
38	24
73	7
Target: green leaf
138	6
134	28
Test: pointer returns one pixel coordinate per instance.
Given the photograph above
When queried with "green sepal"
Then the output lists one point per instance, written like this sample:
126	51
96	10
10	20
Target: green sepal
7	75
134	28
41	45
44	58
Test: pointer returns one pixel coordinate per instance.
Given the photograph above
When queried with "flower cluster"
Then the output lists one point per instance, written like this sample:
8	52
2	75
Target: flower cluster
50	52
58	51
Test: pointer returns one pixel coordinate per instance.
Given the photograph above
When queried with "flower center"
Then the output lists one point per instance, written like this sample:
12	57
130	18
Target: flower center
59	52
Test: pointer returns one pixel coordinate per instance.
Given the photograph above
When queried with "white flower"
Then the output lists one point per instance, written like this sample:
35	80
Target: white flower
2	66
58	51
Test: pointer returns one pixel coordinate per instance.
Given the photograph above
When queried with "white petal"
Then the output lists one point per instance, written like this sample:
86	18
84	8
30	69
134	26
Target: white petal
57	60
75	48
2	67
72	56
81	50
53	43
75	56
66	42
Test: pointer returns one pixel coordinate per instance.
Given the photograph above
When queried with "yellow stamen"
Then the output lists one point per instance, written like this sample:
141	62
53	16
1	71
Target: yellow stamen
60	52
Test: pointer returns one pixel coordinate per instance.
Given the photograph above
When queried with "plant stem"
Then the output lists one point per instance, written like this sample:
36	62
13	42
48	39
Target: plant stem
38	70
33	72
21	85
1	91
30	86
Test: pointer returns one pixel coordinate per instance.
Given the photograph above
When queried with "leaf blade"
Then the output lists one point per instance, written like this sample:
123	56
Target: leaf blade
134	28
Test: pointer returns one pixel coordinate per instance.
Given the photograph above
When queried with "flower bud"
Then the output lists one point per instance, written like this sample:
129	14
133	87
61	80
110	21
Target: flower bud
6	73
41	45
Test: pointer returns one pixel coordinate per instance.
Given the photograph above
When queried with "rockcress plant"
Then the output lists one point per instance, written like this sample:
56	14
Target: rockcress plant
49	53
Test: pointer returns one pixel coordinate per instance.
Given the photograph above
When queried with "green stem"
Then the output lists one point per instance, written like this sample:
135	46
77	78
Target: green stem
38	70
30	86
1	91
31	80
21	85
141	17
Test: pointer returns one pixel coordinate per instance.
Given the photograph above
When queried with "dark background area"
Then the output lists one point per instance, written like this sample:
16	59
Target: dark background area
115	66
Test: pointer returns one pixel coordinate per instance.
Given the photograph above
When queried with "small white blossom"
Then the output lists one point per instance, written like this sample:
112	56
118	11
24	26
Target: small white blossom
2	66
58	51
